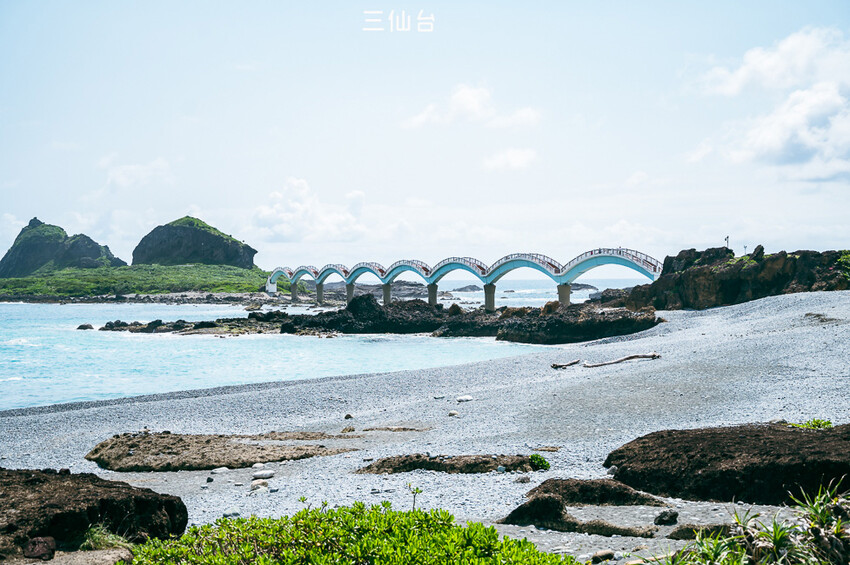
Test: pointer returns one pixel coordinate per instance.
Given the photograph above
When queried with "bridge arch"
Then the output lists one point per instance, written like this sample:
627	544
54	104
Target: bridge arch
635	260
332	269
366	267
536	261
469	264
406	265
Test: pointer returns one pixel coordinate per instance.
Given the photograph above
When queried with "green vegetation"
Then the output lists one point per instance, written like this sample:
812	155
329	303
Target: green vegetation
138	279
813	424
190	222
348	535
44	232
98	537
844	263
539	463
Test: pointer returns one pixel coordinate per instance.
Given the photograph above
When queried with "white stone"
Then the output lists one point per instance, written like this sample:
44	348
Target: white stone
464	398
219	470
231	512
268	474
258	465
453	413
259	483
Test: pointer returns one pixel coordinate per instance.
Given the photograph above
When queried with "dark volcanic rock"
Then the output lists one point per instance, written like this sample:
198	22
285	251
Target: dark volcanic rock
752	463
715	277
449	464
63	506
189	240
43	245
607	492
547	511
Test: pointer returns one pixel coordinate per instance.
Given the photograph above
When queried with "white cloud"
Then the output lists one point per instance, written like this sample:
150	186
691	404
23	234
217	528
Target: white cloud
702	151
806	136
510	159
296	213
472	104
808	56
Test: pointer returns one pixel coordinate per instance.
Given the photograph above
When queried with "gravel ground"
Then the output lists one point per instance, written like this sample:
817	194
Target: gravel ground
753	362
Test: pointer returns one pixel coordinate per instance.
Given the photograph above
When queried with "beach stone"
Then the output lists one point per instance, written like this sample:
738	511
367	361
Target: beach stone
258	465
273	489
40	548
500	469
523	479
666	518
613	470
231	512
464	398
85	327
348	417
219	470
453	413
239	484
258	484
210	479
266	474
602	555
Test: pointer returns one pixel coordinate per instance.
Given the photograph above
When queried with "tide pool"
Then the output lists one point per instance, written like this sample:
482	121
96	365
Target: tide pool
45	360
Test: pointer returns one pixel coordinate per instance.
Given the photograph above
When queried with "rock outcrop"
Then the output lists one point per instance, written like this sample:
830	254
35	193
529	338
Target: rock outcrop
752	463
189	240
715	277
45	246
62	506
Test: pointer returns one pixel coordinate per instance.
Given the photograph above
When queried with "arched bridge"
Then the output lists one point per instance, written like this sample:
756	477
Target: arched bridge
562	274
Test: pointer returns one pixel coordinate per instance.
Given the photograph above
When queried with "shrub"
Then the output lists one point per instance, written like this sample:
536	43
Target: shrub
539	463
347	535
814	424
98	537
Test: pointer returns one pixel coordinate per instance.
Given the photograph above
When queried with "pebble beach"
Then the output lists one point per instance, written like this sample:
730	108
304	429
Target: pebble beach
783	357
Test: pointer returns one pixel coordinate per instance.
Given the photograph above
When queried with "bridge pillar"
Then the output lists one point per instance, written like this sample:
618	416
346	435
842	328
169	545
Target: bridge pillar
349	292
320	293
489	298
432	294
564	293
293	291
271	287
388	298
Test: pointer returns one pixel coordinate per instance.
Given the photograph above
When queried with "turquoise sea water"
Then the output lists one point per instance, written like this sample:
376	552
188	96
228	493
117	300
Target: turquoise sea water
45	360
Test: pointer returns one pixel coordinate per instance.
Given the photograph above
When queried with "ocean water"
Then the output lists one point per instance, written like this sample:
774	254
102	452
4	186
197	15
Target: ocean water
45	360
529	292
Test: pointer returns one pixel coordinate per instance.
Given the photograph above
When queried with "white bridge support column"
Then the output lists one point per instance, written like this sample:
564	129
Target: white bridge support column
388	296
349	292
564	293
293	291
489	298
432	294
320	293
271	287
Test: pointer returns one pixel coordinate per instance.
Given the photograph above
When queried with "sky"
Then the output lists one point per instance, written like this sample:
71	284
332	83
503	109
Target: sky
486	128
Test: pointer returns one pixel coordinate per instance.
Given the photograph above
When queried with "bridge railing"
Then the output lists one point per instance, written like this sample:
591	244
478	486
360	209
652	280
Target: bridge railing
416	263
471	262
649	263
370	265
335	267
544	260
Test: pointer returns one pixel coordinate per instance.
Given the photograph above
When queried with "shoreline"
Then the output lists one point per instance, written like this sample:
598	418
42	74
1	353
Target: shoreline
752	362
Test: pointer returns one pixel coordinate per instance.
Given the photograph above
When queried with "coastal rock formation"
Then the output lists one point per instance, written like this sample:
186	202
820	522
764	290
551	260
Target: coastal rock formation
547	511
715	277
752	463
450	463
604	492
189	240
164	451
62	506
45	246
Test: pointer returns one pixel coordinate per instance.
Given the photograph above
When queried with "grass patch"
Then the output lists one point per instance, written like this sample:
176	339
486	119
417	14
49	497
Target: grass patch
138	279
350	535
844	263
98	537
813	424
190	222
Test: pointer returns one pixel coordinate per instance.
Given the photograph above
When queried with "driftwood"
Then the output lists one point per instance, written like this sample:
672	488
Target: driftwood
652	355
565	365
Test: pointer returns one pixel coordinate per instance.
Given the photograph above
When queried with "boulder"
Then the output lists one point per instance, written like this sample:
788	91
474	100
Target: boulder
605	492
189	240
759	464
45	246
47	504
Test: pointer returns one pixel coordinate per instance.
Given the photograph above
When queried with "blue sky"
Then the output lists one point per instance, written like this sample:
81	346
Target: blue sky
553	127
